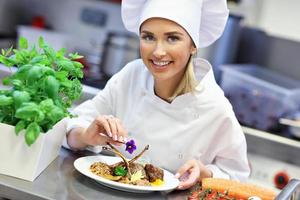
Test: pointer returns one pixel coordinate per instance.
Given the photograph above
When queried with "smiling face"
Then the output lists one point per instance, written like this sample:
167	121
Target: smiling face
165	48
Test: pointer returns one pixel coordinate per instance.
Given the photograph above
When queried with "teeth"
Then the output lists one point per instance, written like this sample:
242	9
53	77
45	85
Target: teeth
161	63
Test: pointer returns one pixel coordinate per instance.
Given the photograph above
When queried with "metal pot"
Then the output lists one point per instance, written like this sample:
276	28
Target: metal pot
119	49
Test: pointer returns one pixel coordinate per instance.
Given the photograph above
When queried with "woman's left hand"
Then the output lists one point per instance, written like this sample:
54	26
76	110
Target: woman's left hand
190	173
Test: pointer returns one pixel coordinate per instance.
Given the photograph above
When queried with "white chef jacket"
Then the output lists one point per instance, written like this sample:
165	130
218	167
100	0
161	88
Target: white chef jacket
199	125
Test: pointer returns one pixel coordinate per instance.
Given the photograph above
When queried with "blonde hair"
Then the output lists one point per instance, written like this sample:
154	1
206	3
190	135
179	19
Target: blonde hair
188	82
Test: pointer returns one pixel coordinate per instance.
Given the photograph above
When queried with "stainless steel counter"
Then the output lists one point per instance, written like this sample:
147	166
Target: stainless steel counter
60	181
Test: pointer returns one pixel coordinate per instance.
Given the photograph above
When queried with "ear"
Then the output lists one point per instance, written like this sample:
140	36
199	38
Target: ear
193	50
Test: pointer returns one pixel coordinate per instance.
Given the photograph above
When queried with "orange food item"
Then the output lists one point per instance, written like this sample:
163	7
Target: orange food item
237	189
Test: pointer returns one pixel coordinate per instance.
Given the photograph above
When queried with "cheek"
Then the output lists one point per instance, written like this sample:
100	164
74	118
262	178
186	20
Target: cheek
181	56
144	50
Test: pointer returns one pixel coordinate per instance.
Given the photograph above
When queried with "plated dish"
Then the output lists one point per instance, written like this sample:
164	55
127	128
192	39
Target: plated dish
83	165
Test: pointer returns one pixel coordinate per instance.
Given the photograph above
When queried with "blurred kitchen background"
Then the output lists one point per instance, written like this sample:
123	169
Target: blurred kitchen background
256	62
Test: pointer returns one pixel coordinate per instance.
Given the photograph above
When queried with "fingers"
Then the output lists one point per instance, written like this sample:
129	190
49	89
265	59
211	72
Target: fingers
184	168
188	174
112	122
190	180
103	139
113	128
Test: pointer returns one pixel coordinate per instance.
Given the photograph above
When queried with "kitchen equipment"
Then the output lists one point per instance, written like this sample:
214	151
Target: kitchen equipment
120	48
259	96
294	126
273	159
291	191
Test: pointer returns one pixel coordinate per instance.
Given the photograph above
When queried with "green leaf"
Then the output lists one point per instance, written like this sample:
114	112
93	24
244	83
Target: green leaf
51	86
20	97
9	51
66	65
55	114
47	71
1	116
33	52
5	100
37	59
20	126
61	75
46	105
17	84
7	80
22	72
32	133
41	42
34	74
6	61
78	64
78	73
22	56
61	53
66	83
40	116
28	111
23	43
75	56
120	171
49	52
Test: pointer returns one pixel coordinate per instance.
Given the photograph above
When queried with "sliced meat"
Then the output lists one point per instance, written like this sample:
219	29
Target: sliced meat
135	167
154	173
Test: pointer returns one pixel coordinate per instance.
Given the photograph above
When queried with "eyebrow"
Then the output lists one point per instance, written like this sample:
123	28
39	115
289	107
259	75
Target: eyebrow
168	33
173	33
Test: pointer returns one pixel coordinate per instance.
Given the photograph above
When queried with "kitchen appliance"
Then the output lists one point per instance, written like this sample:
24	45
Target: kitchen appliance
273	159
119	49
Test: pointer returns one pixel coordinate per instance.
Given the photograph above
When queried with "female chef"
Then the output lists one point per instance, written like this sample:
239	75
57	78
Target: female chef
169	98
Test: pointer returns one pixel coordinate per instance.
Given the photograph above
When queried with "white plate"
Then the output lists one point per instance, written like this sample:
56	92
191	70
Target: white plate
83	166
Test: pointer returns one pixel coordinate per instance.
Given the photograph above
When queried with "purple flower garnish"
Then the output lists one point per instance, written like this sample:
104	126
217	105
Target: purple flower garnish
130	146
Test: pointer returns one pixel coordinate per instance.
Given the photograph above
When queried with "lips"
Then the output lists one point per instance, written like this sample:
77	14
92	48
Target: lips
160	64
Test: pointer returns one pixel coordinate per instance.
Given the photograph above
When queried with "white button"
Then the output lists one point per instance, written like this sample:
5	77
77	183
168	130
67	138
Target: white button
196	115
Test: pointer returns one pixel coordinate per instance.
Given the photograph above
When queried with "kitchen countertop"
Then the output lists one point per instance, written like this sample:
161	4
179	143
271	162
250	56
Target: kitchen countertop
60	181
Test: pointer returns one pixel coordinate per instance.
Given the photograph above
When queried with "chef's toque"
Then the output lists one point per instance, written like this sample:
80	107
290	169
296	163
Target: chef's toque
204	20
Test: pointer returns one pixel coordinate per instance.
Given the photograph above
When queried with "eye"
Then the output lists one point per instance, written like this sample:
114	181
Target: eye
173	38
147	37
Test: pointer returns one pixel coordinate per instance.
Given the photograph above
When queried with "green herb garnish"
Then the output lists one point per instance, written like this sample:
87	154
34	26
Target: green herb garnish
120	171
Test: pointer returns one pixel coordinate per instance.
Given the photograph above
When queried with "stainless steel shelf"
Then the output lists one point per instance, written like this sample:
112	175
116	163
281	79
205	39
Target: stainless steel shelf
272	146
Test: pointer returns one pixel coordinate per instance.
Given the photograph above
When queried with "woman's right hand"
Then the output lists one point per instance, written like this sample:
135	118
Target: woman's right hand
105	128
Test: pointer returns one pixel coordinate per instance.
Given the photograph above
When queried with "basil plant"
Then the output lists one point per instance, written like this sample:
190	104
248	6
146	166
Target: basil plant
43	87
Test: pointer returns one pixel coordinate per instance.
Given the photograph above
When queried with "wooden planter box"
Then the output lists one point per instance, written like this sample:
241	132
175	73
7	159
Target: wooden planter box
24	162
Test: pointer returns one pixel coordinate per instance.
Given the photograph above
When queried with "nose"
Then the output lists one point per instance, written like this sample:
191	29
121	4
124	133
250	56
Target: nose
159	50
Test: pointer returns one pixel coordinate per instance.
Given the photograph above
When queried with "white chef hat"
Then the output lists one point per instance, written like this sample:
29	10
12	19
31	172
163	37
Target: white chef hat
204	20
